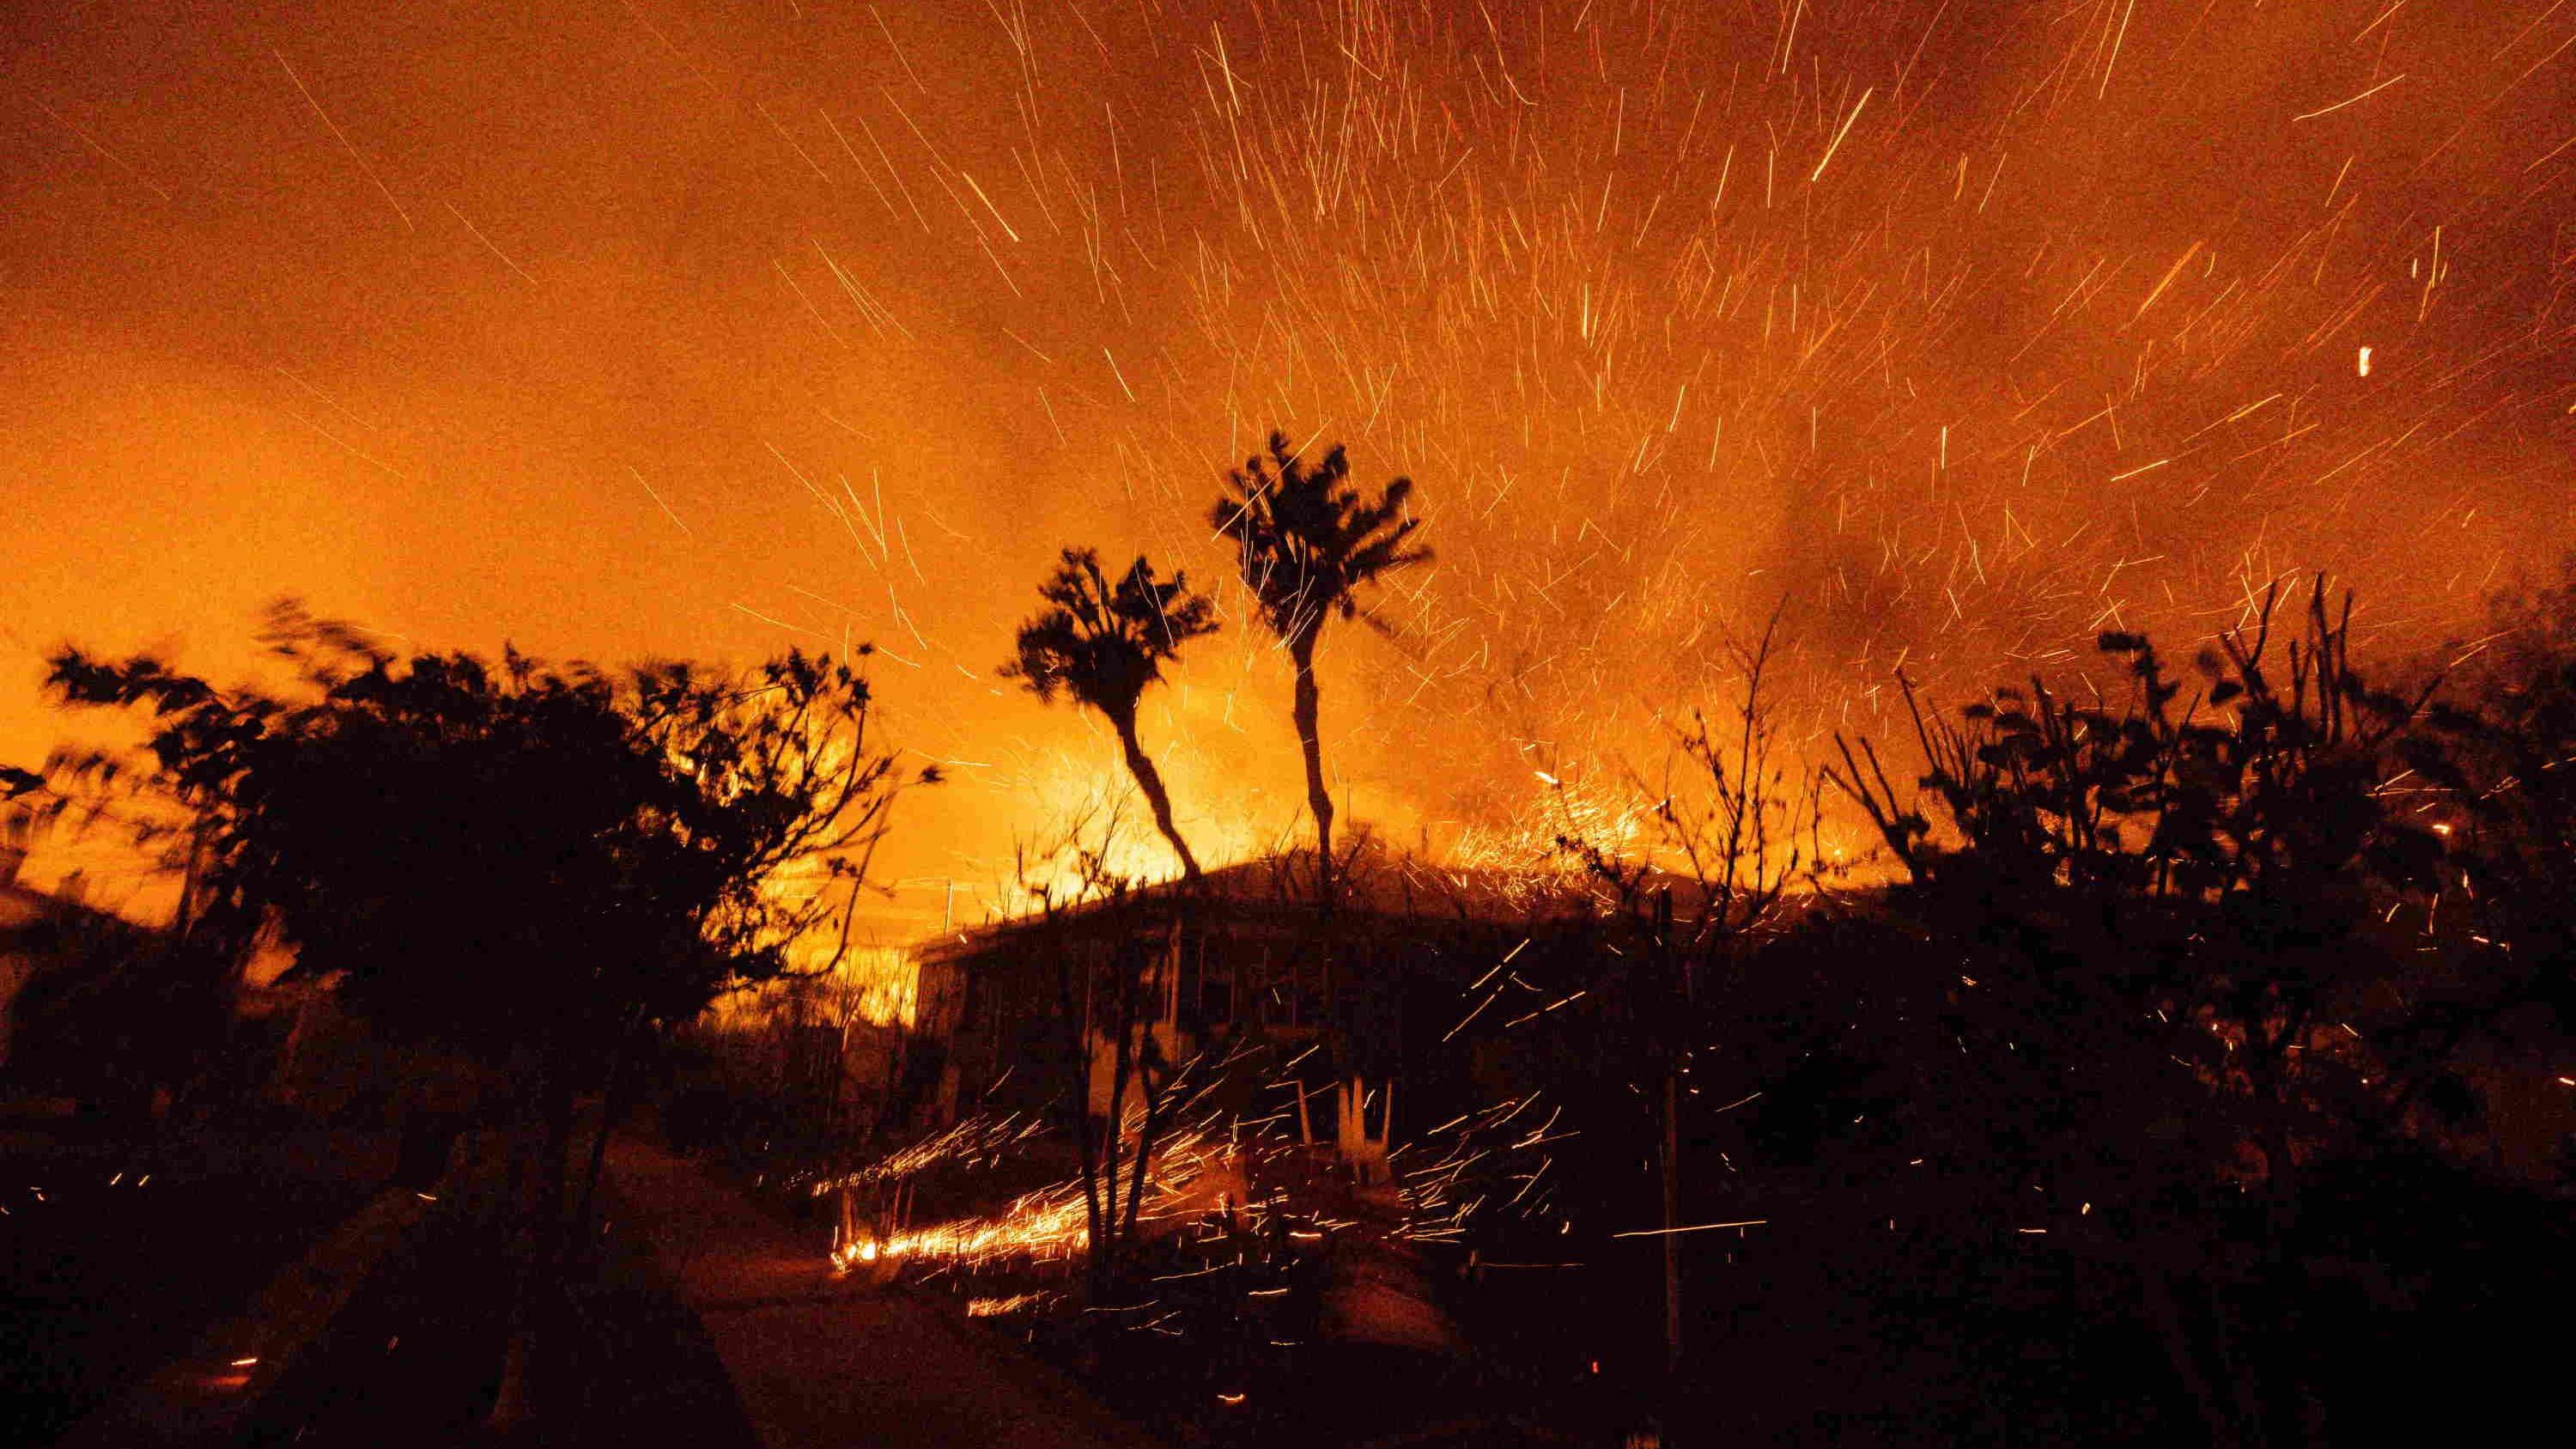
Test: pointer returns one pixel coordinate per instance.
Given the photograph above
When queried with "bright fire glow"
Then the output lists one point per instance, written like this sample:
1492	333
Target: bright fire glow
1967	330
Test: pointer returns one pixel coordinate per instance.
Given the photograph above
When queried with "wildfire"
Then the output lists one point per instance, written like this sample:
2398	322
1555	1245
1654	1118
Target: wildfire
1838	313
1938	322
1003	1307
1204	1165
878	985
1050	1223
1045	1229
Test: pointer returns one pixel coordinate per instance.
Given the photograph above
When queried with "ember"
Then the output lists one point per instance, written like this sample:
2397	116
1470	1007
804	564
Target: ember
1820	628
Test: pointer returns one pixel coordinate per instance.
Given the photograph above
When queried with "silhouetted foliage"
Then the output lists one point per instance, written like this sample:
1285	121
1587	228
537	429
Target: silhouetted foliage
1111	1000
530	863
1729	830
1103	644
1306	544
1726	821
2152	1103
2204	864
111	1011
504	857
2498	765
2162	911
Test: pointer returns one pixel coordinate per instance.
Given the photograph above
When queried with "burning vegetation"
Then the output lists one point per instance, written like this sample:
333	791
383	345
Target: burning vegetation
1721	769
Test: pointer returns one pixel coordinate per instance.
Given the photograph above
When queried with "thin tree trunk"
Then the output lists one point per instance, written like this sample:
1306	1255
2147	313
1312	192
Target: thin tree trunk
1122	1050
1672	1221
1144	1149
1150	780
1675	974
541	1223
2180	1352
1318	799
612	1098
1078	1032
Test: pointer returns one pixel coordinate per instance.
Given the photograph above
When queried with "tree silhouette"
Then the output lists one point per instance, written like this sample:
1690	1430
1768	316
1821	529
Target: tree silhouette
1306	544
2244	830
530	864
1103	644
2162	905
1106	997
1720	823
495	856
2494	764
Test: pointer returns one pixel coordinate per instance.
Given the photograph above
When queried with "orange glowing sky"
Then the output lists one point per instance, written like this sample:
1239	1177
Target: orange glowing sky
1966	328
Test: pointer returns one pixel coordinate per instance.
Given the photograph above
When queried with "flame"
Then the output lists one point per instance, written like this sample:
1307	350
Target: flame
1906	314
878	985
1202	1164
1026	1230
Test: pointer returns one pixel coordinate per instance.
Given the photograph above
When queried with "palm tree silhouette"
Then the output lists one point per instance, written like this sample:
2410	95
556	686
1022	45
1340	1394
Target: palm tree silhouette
1306	543
1102	644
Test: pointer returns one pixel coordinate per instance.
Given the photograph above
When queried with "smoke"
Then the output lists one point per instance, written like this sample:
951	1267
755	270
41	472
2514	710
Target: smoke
1957	332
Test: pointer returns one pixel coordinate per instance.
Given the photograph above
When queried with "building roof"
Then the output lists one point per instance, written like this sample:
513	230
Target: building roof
1381	883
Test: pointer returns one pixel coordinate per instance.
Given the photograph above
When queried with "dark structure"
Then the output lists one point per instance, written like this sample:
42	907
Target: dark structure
1376	988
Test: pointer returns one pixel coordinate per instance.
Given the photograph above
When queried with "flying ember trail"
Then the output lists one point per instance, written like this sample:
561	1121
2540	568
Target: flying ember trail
1963	332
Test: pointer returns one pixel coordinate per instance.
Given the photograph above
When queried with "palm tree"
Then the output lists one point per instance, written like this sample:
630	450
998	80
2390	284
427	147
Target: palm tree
1102	645
1306	543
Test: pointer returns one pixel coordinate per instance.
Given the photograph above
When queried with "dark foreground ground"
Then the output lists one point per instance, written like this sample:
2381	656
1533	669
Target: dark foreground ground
2417	1304
697	1320
415	1358
2408	1299
118	1246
